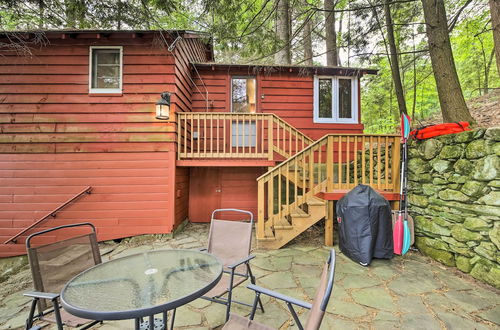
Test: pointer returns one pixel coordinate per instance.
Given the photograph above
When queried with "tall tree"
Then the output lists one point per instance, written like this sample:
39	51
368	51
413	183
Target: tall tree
450	95
332	56
394	61
307	41
284	53
495	25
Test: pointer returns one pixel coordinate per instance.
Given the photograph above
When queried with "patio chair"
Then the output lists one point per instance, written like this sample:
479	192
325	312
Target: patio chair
231	242
317	308
54	264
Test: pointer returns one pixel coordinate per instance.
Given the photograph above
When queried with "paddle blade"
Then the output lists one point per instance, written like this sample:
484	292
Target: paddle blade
405	126
397	235
406	238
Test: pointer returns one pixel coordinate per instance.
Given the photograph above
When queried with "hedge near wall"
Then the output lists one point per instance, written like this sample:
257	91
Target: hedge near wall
454	197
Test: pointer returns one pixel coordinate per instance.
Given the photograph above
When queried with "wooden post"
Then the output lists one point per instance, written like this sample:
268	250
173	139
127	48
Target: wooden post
329	223
329	164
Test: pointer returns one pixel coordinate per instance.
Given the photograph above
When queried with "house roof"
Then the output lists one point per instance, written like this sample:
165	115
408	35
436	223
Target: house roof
301	69
53	32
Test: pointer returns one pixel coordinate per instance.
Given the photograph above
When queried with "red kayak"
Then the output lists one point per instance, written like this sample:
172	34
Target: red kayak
440	129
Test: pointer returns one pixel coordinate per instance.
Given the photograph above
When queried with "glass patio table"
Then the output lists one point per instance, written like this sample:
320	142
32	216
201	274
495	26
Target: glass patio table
141	285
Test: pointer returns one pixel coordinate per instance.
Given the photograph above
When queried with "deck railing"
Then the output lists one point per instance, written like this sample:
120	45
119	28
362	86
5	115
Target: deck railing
236	135
333	163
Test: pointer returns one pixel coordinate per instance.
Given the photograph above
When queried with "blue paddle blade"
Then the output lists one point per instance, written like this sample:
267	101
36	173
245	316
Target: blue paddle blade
405	126
406	238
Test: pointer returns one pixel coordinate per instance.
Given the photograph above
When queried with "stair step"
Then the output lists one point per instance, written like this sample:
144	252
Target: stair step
298	213
316	201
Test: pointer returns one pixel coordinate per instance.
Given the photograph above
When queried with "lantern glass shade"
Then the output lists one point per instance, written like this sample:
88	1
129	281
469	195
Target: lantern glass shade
163	107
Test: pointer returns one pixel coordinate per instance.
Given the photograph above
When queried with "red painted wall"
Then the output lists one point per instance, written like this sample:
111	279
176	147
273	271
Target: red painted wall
287	94
55	135
222	187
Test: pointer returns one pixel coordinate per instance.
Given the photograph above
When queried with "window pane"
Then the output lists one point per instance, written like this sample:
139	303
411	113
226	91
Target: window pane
325	98
106	68
243	95
244	134
345	99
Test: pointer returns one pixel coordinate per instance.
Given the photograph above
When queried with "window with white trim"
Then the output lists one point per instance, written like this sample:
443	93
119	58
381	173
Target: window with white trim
335	99
105	70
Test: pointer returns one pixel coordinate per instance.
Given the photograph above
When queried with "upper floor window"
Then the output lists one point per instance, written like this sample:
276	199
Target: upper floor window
243	94
335	99
105	69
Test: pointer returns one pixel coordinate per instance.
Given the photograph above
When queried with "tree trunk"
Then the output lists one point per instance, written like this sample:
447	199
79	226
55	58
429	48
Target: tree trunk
495	25
451	99
396	75
487	73
307	41
283	55
332	57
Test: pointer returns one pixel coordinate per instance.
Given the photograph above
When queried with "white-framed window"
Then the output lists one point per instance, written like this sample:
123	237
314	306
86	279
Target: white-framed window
105	69
335	99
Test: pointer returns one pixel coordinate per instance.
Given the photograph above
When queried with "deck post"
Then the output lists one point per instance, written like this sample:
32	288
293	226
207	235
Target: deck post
329	223
329	164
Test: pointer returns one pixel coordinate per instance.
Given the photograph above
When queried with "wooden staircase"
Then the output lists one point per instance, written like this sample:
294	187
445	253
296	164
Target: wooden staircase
288	194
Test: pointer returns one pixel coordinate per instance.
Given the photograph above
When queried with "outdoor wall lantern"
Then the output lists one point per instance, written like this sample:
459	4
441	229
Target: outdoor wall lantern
163	106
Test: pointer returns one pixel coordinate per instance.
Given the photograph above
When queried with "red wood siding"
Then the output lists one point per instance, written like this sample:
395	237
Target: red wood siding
130	195
230	187
287	94
114	143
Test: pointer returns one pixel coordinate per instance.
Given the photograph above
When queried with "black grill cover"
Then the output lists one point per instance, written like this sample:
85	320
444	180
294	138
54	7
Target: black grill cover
365	227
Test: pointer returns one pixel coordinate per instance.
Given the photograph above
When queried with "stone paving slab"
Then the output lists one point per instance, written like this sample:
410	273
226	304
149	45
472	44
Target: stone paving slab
410	292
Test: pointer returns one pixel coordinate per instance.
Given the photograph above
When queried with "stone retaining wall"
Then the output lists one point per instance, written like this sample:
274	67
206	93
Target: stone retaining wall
454	197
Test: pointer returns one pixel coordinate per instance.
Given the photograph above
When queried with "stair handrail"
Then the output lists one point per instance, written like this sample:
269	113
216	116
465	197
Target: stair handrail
52	213
297	132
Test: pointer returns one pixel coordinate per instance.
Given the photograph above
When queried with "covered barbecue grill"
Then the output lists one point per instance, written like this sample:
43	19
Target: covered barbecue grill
365	227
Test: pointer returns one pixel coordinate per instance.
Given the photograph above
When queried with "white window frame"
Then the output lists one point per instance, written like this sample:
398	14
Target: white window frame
105	90
335	101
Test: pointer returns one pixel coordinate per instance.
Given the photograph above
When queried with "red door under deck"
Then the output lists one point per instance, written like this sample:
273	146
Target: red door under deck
204	193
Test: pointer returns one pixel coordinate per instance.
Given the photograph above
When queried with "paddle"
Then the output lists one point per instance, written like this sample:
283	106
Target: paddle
401	224
406	230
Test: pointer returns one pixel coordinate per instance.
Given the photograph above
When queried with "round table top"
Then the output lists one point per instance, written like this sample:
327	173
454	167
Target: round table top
141	284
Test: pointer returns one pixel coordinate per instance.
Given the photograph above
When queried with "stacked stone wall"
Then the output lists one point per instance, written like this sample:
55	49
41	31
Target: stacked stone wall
454	198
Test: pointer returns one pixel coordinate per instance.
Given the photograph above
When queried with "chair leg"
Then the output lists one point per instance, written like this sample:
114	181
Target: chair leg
230	295
252	280
29	320
57	313
173	319
254	307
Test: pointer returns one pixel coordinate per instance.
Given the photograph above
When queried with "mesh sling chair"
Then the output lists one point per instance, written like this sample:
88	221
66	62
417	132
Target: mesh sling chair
54	264
231	242
317	309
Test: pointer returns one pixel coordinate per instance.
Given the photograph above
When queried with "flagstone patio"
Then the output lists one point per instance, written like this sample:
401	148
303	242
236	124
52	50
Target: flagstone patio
410	292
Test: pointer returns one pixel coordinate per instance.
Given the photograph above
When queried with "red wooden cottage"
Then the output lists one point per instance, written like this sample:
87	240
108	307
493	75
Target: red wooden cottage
77	115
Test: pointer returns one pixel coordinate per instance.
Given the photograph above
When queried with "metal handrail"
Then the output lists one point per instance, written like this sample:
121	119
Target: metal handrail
52	213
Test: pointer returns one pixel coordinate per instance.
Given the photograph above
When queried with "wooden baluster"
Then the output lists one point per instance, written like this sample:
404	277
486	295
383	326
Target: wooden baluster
260	206
287	186
348	164
355	161
339	160
329	163
320	164
379	163
270	138
363	160
270	197
280	201
199	134
311	170
386	167
296	181
290	153
371	159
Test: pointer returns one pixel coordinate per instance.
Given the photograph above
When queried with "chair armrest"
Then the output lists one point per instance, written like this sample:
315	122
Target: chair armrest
242	261
43	295
279	296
